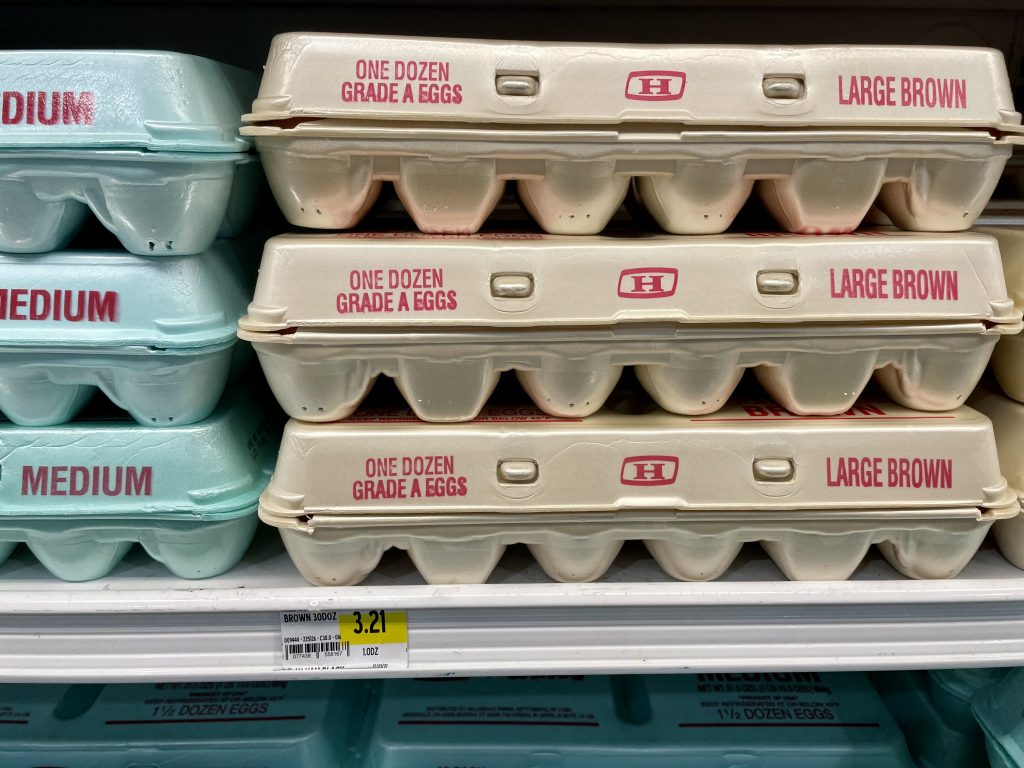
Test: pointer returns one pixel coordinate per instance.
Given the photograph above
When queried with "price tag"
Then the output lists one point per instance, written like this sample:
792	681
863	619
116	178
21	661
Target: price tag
372	628
363	639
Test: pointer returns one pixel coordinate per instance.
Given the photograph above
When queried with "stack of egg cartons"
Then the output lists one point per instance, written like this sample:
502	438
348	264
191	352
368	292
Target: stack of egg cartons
823	132
1006	408
148	141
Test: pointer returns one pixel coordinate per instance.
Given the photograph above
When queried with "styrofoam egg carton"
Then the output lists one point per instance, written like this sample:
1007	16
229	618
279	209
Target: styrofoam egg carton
750	720
934	711
997	709
817	492
81	494
814	317
953	689
157	335
822	131
146	140
181	725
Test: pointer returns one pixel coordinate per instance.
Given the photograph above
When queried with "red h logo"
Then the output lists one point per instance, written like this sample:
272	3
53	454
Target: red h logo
655	85
649	470
648	282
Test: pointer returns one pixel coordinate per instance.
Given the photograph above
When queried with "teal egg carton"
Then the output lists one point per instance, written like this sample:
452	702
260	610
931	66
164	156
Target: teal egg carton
998	711
148	140
784	720
934	711
81	494
179	725
157	335
953	690
153	100
748	720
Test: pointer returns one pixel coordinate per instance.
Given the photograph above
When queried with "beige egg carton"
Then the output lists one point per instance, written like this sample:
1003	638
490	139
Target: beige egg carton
823	132
324	75
1008	423
815	318
1008	357
817	492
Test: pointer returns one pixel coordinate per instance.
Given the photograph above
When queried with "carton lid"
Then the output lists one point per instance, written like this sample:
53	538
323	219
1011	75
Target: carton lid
575	720
157	100
421	79
750	456
163	724
114	299
816	717
107	465
464	718
406	280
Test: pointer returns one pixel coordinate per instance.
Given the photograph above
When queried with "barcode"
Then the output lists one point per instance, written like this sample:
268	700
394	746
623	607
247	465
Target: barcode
315	650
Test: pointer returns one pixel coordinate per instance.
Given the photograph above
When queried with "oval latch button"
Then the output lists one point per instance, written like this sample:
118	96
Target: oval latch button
773	470
517	85
511	286
517	471
777	283
789	88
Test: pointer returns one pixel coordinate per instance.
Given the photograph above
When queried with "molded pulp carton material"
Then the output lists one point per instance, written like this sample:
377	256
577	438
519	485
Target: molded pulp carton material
822	132
816	491
814	317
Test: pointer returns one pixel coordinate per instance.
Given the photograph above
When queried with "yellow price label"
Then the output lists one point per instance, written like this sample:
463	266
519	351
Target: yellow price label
373	627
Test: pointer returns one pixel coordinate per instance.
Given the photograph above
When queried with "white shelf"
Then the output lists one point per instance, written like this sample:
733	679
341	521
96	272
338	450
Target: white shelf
142	623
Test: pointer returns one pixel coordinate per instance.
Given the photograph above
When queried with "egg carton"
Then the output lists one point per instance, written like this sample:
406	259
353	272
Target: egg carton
156	335
815	317
1008	422
934	711
147	140
658	721
823	132
81	494
997	710
817	492
272	724
1008	357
